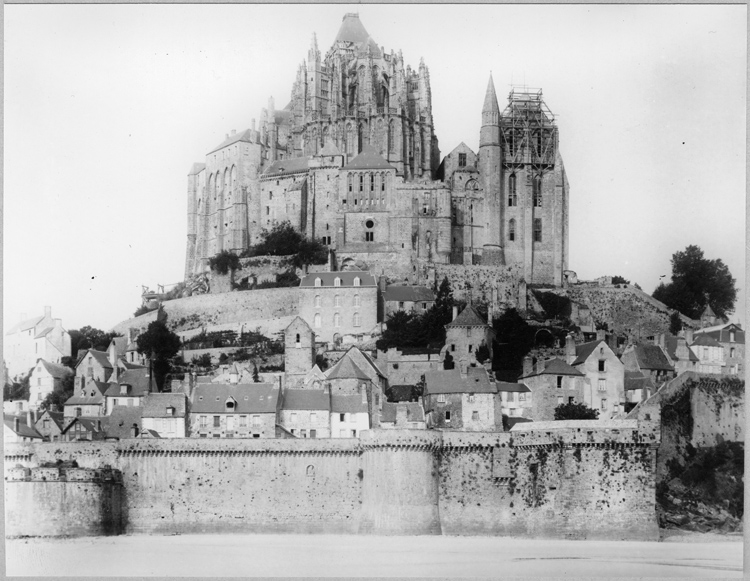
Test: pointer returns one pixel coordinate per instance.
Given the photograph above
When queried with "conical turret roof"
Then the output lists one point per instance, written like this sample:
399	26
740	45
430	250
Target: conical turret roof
490	98
352	29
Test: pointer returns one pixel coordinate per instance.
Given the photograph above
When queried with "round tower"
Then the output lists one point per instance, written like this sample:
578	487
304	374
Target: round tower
490	168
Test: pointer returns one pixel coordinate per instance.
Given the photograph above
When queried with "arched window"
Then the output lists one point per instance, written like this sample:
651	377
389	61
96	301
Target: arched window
357	281
537	191
350	139
318	282
316	320
297	341
392	137
336	320
317	301
512	229
337	281
356	304
512	197
356	320
337	301
537	229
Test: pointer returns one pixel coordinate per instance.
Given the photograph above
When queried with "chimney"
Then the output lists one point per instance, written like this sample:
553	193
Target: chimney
660	340
226	136
29	421
455	312
528	366
539	365
58	323
47	312
601	335
570	349
252	125
382	283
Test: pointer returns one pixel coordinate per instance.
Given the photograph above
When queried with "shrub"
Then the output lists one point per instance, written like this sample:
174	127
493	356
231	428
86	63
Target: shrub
223	262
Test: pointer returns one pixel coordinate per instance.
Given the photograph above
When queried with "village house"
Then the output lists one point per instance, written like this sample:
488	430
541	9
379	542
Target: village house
515	399
651	360
354	381
464	335
306	413
45	378
15	406
678	351
50	425
132	387
732	338
81	429
638	388
87	400
468	401
408	298
552	383
165	414
710	354
40	337
350	415
93	364
124	422
243	410
604	375
340	307
19	429
406	366
404	415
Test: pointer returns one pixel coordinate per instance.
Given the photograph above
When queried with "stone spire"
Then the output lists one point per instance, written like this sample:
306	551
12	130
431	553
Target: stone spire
490	110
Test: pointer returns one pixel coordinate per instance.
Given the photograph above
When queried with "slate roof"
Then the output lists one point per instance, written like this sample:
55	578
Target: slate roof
329	148
414	412
101	357
670	344
121	420
24	325
399	292
652	357
341	404
346	368
23	429
44	332
637	380
555	367
708	312
305	399
155	405
96	425
450	381
57	417
245	135
196	169
704	340
55	369
121	345
584	351
137	379
369	158
253	398
91	394
287	166
352	29
511	387
363	360
347	278
401	392
721	333
468	318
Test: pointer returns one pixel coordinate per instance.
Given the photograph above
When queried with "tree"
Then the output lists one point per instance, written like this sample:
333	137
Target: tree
617	279
697	282
515	337
256	377
224	261
321	362
284	240
159	344
482	354
142	310
448	361
90	338
575	411
18	389
675	323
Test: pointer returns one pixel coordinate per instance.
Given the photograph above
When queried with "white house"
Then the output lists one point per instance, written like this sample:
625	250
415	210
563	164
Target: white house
166	414
31	339
45	377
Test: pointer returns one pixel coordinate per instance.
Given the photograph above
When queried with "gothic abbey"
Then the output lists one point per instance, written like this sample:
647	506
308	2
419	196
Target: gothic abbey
353	161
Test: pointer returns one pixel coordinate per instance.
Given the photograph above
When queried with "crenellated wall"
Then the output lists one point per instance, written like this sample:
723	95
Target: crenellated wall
542	482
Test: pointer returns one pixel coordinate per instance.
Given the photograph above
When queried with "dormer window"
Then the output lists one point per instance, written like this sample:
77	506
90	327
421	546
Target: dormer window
357	281
337	281
318	282
230	404
123	390
170	411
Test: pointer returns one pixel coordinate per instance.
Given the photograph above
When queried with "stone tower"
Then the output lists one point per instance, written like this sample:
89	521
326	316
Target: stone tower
490	160
299	352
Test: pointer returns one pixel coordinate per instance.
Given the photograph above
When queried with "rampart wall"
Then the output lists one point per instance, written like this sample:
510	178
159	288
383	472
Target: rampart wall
543	483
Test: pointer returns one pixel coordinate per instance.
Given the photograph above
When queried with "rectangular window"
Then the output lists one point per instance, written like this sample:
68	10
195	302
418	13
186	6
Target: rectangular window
342	417
537	229
453	347
256	420
471	398
602	385
471	347
369	236
217	435
601	365
217	421
204	421
475	416
313	418
461	160
571	400
313	433
441	398
303	433
243	421
604	404
293	418
559	400
559	382
447	416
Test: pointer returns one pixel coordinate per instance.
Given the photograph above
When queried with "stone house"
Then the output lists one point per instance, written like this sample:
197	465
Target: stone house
604	376
165	414
651	360
81	429
552	383
678	351
350	415
87	400
93	364
464	335
19	429
306	413
710	354
299	352
340	307
356	375
515	399
732	338
406	415
124	422
467	401
242	410
133	385
45	378
407	366
409	298
40	337
50	425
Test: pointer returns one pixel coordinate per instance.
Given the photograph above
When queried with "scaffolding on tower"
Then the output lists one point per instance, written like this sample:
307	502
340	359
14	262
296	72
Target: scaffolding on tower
529	133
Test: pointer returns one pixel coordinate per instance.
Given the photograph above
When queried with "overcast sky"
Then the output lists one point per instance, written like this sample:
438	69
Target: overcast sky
107	107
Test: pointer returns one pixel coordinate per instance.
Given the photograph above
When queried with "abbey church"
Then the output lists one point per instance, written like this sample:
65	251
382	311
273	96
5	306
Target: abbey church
353	161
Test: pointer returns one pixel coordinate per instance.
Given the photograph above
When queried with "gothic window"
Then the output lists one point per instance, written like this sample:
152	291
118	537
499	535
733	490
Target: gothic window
471	185
537	229
336	320
356	320
317	301
392	137
537	191
361	183
349	139
382	182
337	281
316	320
512	229
372	182
461	160
512	196
351	186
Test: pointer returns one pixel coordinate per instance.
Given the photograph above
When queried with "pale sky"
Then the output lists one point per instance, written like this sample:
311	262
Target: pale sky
108	106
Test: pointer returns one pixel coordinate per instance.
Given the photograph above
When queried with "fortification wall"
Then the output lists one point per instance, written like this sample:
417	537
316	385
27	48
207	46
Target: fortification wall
489	284
718	409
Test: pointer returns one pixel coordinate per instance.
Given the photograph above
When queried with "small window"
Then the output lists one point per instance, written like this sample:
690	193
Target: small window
461	160
217	421
475	416
356	320
571	400
471	398
318	301
559	400
336	320
537	229
512	229
512	197
369	224
601	365
337	281
369	236
316	320
342	417
604	404
447	416
602	385
318	282
559	382
357	281
471	348
453	346
356	300
731	352
441	398
336	301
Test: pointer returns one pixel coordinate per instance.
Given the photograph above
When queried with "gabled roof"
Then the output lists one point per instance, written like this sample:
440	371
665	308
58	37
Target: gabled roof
90	424
346	276
121	420
368	159
705	340
245	135
137	379
468	318
329	149
670	344
55	369
414	412
287	166
25	325
511	387
196	168
364	361
341	404
346	368
720	327
306	399
555	367
120	344
298	323
92	393
155	405
400	292
708	312
651	357
249	397
57	417
450	381
584	351
23	429
44	332
637	380
100	356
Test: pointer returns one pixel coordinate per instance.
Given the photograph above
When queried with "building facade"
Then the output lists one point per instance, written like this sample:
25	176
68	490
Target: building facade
40	337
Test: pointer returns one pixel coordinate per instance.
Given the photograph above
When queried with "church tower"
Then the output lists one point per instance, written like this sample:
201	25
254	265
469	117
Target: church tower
490	167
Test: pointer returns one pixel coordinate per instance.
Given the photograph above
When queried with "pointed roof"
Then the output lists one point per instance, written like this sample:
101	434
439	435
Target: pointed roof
584	350
345	368
708	312
490	98
352	29
555	367
329	148
369	159
298	322
245	135
468	318
704	340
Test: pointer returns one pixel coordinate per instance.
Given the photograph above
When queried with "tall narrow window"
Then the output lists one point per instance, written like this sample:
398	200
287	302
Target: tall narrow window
461	160
537	229
337	281
361	183
336	320
318	301
512	229
372	182
337	301
316	320
356	320
357	281
512	196
356	300
537	191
